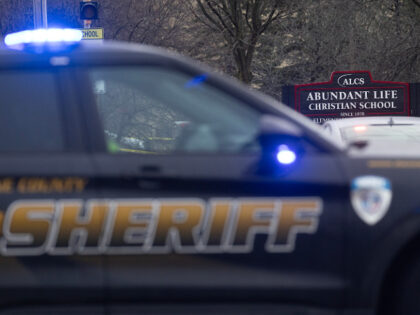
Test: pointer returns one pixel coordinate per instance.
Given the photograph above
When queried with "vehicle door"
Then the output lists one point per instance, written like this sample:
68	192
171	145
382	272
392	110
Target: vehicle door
198	211
48	231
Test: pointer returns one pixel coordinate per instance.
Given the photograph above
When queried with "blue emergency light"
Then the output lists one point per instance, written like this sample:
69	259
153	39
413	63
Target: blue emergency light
285	155
40	37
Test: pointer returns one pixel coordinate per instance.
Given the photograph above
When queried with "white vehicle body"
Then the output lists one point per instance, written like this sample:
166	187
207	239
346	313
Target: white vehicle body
382	129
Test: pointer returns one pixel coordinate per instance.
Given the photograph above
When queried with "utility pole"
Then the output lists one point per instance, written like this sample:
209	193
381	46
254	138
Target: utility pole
40	14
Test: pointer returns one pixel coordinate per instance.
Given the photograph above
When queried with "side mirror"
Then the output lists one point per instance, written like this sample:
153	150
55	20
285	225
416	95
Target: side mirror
281	145
270	124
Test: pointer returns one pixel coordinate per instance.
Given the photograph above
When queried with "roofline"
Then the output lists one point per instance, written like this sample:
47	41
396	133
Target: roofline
111	52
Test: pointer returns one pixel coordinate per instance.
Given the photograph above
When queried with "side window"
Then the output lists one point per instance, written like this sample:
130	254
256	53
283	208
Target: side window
155	110
30	119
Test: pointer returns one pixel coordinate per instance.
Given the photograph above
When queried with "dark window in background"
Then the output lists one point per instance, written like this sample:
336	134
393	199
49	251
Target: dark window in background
30	120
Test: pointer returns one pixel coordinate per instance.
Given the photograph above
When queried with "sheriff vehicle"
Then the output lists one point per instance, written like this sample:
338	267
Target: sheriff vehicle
110	206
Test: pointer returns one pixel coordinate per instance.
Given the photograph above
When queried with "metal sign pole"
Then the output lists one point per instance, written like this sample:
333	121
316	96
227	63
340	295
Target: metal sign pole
40	14
44	14
37	9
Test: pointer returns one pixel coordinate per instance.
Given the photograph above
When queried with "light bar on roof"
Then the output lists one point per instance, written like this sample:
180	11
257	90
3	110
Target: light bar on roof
43	36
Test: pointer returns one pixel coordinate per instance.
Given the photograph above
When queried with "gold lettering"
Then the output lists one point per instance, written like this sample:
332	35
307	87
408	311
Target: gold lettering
131	217
407	164
33	185
295	216
379	164
80	184
27	225
72	222
248	224
6	185
21	186
57	185
177	223
215	229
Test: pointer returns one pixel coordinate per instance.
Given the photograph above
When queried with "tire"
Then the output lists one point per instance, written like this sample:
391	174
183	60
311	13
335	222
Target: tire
402	296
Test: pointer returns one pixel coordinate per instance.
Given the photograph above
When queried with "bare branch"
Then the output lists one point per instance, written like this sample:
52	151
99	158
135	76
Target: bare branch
208	16
219	17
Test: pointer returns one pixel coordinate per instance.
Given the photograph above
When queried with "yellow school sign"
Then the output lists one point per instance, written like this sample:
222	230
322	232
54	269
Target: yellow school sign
92	33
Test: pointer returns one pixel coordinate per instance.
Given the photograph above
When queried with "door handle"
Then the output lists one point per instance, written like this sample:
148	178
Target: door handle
148	184
150	170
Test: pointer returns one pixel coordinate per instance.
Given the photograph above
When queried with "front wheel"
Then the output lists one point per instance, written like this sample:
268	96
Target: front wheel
403	293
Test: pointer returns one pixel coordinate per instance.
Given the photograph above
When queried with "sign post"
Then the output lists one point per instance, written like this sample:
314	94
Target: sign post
40	14
351	94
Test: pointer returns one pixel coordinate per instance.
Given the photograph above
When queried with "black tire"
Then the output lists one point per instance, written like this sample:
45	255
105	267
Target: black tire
402	296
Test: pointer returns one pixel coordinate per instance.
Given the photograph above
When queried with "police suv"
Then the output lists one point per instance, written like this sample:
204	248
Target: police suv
110	205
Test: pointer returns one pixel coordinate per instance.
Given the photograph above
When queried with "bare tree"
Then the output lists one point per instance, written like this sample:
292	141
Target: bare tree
241	22
15	15
322	37
267	43
155	22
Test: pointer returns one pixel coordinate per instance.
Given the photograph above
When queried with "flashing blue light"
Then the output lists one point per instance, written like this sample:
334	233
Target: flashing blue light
43	36
196	81
285	156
